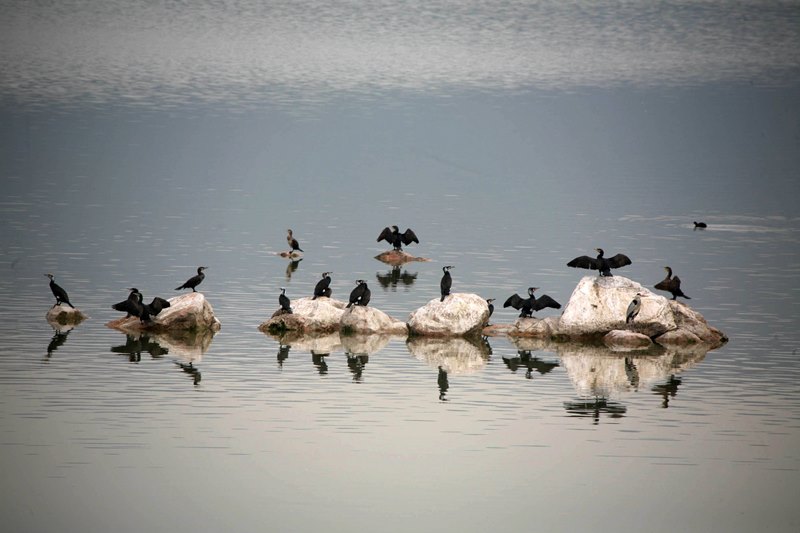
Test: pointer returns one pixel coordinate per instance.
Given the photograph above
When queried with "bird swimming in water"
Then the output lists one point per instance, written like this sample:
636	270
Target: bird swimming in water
322	287
447	281
603	264
194	281
633	308
396	239
528	305
283	300
58	292
671	284
360	295
701	225
293	244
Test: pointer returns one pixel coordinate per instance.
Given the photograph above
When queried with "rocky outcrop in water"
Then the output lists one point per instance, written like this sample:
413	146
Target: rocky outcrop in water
398	257
320	315
189	313
361	319
459	314
65	315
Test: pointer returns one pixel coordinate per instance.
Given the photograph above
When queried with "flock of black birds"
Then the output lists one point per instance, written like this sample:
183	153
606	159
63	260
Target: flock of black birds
360	295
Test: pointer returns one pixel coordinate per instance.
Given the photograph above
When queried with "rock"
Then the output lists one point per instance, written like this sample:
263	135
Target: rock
398	257
678	337
620	340
189	312
496	330
65	315
689	320
598	305
459	314
321	315
456	355
361	319
542	328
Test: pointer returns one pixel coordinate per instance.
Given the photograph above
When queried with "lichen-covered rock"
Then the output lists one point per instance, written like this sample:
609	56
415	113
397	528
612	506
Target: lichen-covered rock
187	312
65	315
398	257
459	314
320	315
599	304
621	340
689	320
542	328
456	355
361	319
678	337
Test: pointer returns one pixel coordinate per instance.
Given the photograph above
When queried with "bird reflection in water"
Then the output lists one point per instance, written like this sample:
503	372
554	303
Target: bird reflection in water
444	384
667	390
283	354
59	338
319	361
396	276
291	268
356	362
190	369
632	373
593	408
531	362
135	345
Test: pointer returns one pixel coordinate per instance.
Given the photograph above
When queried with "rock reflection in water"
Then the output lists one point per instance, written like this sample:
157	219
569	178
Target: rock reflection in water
459	355
356	365
396	276
594	408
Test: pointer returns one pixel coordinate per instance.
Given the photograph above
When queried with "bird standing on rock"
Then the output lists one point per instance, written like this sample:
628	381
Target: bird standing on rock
528	305
293	244
58	292
603	264
397	239
671	284
633	308
283	300
322	287
360	295
194	281
447	281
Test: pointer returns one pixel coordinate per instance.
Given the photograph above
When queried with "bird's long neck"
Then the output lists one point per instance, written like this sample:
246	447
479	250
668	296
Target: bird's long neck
669	272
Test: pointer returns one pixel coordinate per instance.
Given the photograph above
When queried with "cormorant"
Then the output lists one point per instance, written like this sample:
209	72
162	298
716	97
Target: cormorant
491	306
360	295
700	225
671	284
603	264
284	301
156	306
323	286
633	308
446	282
59	293
132	306
397	239
194	281
293	244
528	305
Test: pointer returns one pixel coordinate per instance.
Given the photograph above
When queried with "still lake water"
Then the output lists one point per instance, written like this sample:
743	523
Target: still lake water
140	141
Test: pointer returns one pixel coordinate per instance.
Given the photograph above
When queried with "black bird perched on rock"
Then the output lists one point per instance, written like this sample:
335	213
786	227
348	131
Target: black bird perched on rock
633	308
293	244
132	305
360	295
446	282
156	306
396	239
284	301
700	225
194	281
528	305
671	284
323	286
491	306
59	293
603	264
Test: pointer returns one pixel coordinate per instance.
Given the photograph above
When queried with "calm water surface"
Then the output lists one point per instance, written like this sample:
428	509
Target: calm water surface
140	141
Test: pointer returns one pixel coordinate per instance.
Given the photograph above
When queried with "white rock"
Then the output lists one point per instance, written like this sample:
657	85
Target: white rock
599	304
459	314
309	315
534	327
64	315
188	312
361	319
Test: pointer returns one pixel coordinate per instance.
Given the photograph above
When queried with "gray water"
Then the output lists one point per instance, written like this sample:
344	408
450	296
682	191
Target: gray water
139	141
